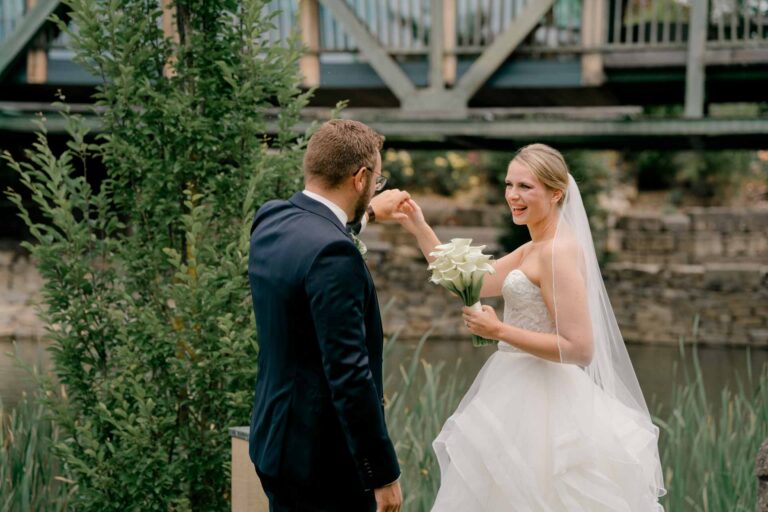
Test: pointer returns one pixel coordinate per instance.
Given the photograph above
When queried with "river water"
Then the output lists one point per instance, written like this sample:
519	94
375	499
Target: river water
658	367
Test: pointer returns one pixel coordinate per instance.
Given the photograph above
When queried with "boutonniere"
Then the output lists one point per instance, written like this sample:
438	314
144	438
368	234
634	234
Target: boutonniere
359	244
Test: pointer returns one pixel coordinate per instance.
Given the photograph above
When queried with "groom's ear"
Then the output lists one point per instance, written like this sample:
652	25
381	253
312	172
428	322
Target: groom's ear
358	179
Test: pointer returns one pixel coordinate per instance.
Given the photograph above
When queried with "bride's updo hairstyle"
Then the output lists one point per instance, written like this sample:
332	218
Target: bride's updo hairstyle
547	164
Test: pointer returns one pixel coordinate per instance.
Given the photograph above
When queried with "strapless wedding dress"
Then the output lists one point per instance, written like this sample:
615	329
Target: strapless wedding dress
533	435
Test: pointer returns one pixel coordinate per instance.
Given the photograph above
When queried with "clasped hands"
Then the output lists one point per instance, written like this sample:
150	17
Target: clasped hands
388	203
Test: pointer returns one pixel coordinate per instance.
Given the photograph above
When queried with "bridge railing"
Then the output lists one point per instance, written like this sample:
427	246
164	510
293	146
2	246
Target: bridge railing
403	27
11	12
592	29
654	23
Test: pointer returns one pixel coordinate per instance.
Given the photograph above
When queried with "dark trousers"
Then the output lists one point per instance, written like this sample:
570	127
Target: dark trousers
286	497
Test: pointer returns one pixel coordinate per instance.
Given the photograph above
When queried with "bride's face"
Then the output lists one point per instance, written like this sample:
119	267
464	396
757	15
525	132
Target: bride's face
529	199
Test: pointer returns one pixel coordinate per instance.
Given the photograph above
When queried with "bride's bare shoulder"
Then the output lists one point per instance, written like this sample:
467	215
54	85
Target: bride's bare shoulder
512	260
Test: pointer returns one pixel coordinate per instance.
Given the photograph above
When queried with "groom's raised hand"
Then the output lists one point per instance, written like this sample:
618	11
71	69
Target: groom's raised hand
387	203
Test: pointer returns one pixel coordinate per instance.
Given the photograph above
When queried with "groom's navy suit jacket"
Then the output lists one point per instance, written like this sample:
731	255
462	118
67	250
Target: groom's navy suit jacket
318	415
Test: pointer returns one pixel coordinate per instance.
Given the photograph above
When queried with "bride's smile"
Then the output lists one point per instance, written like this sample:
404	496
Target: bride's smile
531	202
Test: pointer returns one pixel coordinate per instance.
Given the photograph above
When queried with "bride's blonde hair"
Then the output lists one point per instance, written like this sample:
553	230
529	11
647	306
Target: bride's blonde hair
547	164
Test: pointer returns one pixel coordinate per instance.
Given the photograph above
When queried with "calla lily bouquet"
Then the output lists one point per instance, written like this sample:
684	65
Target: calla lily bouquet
460	267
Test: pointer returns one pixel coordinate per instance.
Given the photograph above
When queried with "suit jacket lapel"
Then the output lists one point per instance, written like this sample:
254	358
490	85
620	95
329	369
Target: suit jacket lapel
301	200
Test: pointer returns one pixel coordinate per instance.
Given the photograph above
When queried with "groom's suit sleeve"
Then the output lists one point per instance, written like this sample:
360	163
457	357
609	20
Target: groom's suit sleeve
335	286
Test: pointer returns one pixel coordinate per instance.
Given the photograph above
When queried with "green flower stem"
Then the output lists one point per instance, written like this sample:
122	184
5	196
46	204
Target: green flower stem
469	296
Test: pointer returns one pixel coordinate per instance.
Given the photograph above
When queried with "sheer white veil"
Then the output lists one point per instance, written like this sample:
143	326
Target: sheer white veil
597	346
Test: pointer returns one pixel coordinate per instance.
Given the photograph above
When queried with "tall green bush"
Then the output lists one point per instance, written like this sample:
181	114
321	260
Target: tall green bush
146	290
710	177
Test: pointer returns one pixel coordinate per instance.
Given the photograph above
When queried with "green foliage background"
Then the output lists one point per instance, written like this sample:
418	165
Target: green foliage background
146	289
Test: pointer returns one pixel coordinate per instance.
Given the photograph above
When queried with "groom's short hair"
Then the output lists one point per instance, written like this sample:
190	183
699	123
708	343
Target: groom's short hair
339	148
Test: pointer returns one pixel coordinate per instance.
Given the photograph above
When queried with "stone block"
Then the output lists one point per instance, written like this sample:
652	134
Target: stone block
468	217
653	315
676	222
761	472
672	294
706	245
717	219
736	244
640	222
685	276
614	241
736	277
649	243
757	245
6	258
495	216
758	337
757	221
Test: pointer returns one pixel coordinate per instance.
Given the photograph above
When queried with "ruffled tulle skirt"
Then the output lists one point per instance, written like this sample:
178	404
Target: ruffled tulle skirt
531	435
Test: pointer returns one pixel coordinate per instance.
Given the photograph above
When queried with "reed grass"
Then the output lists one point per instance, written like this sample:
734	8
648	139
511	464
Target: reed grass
425	396
709	443
29	471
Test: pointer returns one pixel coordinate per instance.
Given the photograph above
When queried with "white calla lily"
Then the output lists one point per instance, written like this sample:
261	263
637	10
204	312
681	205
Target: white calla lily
460	267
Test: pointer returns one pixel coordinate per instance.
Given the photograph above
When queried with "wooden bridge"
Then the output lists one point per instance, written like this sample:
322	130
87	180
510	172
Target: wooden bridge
483	72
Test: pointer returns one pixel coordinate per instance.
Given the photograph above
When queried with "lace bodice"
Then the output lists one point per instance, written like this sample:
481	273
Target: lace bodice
524	305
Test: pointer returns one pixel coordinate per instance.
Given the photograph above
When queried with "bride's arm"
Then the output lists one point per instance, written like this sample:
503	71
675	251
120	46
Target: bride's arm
573	342
569	309
411	218
547	346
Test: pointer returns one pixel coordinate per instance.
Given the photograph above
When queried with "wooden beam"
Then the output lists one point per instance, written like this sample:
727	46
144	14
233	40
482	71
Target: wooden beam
449	42
170	31
436	45
677	57
479	124
493	56
37	54
29	26
389	71
694	69
309	23
592	36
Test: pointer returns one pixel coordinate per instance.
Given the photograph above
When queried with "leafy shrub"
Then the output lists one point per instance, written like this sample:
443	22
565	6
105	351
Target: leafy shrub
146	290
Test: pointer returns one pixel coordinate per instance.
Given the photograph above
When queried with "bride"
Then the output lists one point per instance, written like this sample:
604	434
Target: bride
555	420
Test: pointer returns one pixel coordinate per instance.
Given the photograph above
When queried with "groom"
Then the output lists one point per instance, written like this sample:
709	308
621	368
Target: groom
318	437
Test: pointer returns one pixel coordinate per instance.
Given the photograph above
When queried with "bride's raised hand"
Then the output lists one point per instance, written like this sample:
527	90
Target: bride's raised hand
410	216
484	323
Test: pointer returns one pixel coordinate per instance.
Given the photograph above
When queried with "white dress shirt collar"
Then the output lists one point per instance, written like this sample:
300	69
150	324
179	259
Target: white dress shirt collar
336	209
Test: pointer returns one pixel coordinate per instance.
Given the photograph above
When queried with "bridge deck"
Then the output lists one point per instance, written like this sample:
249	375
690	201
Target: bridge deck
457	66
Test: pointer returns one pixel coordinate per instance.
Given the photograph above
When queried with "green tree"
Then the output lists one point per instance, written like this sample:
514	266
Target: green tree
146	290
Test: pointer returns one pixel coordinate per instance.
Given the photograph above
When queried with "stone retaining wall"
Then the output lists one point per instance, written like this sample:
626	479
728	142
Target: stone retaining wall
20	285
658	303
702	235
664	271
